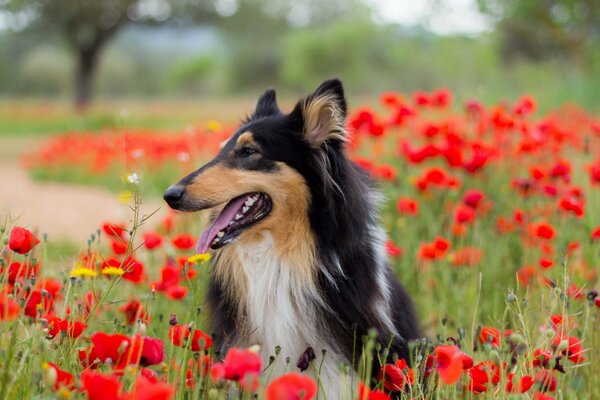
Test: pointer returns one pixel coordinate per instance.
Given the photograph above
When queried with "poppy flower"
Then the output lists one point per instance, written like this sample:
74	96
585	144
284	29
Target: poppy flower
392	249
22	240
184	241
483	376
467	256
119	246
9	309
490	335
291	386
237	364
57	378
542	396
449	362
407	206
544	231
99	386
153	351
574	350
121	350
134	311
473	198
545	380
71	329
114	230
179	334
17	271
396	376
364	393
152	240
38	302
524	384
148	389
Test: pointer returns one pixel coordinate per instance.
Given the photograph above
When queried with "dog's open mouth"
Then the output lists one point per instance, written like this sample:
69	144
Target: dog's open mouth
239	214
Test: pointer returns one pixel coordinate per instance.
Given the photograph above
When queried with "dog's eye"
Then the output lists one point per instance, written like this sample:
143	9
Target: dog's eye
247	151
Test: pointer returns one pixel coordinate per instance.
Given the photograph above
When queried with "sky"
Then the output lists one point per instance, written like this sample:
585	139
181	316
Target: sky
446	17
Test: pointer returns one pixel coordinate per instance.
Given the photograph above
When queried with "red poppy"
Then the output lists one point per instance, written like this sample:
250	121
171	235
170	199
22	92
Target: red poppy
121	350
574	350
148	389
237	364
17	271
152	240
524	384
542	396
386	172
119	246
392	249
99	386
407	205
38	303
490	335
364	393
153	351
184	241
134	311
396	376
58	378
114	230
291	386
473	197
449	361
71	329
467	256
9	309
483	376
200	341
545	380
22	240
544	231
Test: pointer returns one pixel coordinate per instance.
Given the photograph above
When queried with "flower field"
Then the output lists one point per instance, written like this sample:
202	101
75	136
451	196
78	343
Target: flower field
493	216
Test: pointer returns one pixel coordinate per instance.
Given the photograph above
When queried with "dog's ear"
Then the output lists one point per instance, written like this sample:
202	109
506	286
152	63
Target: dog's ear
266	105
321	116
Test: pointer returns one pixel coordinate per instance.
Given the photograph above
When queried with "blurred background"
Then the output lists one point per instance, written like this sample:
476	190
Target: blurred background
176	67
79	50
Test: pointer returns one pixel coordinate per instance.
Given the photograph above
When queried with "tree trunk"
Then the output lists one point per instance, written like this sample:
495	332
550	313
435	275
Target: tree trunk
86	65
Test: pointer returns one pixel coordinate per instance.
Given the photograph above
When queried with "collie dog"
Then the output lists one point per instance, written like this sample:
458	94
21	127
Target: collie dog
299	256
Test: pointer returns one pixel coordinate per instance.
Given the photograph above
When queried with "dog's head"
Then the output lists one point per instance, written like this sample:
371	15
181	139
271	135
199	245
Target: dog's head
259	179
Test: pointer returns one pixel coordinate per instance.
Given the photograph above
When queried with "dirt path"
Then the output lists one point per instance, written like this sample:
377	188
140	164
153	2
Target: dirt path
63	211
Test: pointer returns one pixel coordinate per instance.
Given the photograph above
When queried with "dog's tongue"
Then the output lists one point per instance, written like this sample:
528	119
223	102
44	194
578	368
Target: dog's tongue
222	221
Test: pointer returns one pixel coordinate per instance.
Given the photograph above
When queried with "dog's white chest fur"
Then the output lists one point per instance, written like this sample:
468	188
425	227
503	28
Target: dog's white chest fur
280	311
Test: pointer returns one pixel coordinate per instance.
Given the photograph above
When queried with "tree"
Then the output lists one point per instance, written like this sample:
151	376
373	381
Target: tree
541	29
88	25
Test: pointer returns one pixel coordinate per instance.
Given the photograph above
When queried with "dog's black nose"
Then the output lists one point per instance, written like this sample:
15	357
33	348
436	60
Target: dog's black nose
173	195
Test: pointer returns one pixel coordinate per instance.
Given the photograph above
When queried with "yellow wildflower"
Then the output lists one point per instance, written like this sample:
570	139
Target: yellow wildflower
199	258
112	271
83	272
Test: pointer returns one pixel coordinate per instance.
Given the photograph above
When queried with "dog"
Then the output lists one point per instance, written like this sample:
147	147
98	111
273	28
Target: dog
299	256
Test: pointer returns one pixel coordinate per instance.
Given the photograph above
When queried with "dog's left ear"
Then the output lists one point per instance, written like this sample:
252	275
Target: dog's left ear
321	116
266	105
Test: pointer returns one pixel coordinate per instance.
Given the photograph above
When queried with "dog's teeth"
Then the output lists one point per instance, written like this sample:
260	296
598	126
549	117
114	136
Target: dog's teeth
220	234
245	209
249	202
230	223
238	216
215	241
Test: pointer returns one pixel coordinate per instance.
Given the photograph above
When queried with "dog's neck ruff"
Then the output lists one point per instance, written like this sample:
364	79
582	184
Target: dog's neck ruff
282	310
